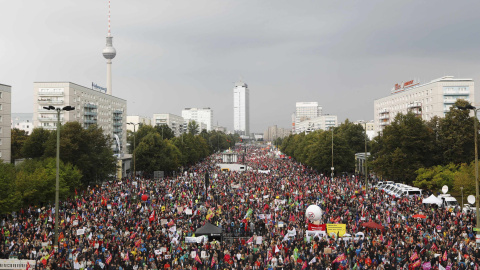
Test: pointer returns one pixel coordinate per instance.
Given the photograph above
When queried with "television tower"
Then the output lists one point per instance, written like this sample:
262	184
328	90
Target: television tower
109	53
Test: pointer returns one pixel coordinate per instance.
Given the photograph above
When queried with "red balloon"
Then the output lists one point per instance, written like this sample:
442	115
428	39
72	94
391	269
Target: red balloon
144	197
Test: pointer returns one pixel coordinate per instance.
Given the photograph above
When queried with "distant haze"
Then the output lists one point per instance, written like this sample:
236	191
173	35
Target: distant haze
177	54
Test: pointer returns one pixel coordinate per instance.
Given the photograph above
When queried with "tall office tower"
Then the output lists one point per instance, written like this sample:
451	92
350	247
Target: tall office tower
204	115
5	119
109	53
241	109
175	122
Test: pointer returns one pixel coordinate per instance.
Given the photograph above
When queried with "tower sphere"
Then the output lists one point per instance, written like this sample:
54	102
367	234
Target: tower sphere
109	52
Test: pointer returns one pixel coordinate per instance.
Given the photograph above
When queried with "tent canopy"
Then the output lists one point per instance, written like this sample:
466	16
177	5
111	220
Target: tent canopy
209	229
432	200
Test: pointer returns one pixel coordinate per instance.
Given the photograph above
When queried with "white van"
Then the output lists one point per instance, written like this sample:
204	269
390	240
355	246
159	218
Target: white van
410	192
447	201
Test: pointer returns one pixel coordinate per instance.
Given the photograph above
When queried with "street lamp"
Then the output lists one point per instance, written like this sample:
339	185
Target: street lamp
134	144
470	107
333	168
57	185
366	162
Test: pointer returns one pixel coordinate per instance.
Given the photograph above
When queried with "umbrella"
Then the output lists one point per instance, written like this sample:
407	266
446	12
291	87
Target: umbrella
372	225
419	216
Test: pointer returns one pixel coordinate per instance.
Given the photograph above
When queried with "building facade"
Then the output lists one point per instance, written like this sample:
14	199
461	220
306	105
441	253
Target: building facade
136	119
175	122
5	119
324	122
91	107
274	132
305	111
370	128
204	115
22	121
241	109
425	100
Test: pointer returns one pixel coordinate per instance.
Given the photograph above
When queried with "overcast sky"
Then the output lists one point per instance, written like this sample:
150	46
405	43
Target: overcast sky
176	54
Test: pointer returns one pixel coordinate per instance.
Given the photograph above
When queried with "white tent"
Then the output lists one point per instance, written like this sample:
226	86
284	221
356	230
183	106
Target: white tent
432	200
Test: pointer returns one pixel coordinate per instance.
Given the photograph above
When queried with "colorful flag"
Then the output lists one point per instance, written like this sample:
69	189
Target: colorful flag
416	264
198	259
414	257
127	257
152	216
171	223
269	256
109	259
250	240
444	258
213	262
304	265
28	265
138	243
340	258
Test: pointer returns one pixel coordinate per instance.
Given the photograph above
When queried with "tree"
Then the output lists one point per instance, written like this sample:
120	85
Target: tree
10	198
165	131
465	177
434	178
19	137
456	135
88	149
192	127
404	146
155	154
34	146
35	180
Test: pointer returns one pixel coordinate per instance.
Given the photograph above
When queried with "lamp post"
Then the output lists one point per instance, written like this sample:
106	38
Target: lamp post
470	107
134	144
57	176
366	164
461	188
333	168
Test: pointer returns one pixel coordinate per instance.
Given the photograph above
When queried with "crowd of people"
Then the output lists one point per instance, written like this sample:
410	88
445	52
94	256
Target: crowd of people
137	223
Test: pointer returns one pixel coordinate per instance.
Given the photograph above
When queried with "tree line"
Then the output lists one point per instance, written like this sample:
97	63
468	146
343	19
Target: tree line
86	158
428	154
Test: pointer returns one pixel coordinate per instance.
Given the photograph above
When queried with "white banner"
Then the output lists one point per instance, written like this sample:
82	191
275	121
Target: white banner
80	231
16	264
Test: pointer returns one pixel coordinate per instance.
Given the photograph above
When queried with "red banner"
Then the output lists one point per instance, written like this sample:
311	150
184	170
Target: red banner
315	227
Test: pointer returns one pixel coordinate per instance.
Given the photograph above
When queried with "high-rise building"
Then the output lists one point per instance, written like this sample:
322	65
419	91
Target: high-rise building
305	111
175	122
204	115
22	121
109	53
425	100
5	116
241	109
137	119
91	107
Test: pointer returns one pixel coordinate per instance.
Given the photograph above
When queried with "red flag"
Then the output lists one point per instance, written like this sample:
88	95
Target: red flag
304	265
104	201
171	223
213	262
444	256
76	192
152	216
138	243
250	240
198	259
269	256
28	265
127	258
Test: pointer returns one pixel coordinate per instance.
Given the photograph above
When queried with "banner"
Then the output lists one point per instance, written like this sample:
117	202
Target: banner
313	234
339	229
16	264
315	227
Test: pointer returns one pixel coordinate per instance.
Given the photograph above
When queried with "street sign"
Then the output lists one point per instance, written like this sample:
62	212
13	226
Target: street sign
445	189
476	229
478	238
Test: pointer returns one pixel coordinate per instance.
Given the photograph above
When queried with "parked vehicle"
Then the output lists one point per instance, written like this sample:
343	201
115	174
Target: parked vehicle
467	208
447	201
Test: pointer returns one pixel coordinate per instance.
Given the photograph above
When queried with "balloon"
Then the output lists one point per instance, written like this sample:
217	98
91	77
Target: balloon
313	213
144	197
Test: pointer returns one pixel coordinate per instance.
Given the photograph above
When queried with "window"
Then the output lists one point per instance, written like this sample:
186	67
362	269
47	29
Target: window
0	107
0	141
1	95
0	130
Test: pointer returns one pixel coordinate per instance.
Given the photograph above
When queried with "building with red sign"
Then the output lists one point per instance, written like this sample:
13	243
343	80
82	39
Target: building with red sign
426	100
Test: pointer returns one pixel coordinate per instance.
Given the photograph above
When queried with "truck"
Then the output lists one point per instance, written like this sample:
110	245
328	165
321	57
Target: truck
447	201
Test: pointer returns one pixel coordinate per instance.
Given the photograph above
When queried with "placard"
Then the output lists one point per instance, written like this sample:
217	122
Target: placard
327	250
188	212
203	254
259	240
163	221
80	231
339	229
193	254
163	249
75	222
158	252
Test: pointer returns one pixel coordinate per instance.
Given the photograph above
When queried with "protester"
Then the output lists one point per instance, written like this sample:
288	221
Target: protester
144	224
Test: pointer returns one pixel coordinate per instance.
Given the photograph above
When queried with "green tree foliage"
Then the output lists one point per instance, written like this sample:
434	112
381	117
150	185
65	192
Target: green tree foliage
315	149
10	198
434	178
34	146
35	180
165	131
456	135
404	147
157	154
192	127
465	177
87	149
19	137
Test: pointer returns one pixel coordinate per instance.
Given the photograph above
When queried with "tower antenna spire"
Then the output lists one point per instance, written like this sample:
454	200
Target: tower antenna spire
109	33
